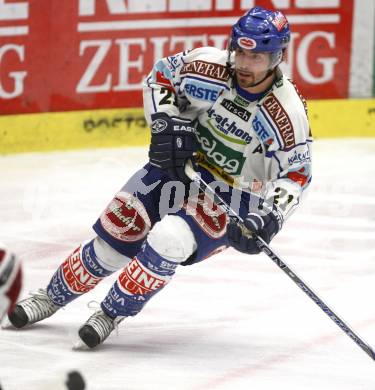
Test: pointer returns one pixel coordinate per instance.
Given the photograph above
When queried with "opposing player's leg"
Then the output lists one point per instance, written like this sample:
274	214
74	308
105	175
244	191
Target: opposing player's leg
183	238
10	280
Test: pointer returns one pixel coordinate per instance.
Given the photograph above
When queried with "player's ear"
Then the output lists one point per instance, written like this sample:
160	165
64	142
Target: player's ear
284	55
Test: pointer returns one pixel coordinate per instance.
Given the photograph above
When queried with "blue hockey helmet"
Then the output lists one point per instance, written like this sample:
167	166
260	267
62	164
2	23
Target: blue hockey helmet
261	30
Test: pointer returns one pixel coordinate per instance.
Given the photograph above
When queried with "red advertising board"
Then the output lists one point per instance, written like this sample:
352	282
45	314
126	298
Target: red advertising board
88	54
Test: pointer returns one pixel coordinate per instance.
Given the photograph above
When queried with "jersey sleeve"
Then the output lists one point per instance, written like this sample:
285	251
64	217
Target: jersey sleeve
161	91
186	84
288	143
293	169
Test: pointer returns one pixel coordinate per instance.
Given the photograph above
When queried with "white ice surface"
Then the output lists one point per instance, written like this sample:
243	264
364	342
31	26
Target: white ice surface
231	322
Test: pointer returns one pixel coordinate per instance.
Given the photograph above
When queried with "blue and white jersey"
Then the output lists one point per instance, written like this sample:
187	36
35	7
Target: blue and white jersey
261	144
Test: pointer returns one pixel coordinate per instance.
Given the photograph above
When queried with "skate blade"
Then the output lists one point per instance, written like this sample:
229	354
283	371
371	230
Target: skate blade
79	345
6	324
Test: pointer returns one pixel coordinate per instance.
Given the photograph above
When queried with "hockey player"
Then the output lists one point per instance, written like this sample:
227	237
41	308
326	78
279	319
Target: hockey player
10	280
244	126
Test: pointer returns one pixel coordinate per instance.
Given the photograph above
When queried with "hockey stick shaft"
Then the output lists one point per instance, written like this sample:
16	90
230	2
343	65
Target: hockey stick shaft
204	187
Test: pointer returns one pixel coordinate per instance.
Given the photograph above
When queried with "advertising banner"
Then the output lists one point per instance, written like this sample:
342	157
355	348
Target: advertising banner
90	54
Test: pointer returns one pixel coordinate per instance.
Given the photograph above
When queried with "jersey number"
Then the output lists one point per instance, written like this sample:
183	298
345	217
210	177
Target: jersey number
169	98
280	199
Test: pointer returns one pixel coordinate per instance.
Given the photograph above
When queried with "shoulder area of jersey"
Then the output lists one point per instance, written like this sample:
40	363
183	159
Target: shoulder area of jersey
209	54
286	91
281	119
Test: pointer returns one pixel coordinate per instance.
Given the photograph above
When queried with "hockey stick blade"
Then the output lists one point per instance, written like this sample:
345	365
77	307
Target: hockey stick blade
265	248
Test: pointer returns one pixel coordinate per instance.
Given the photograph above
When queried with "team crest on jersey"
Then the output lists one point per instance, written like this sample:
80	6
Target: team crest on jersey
126	218
246	43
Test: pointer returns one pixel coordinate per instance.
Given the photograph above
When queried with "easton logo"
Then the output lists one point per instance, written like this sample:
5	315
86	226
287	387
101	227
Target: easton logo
236	110
208	69
247	43
158	126
281	119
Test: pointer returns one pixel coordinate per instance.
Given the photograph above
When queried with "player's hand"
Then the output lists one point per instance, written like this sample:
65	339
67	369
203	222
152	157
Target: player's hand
265	221
172	144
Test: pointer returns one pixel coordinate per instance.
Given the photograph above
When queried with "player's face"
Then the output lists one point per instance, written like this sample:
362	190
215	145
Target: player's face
250	67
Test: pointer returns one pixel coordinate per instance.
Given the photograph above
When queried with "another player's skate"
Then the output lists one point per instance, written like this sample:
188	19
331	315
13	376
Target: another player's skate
33	309
97	328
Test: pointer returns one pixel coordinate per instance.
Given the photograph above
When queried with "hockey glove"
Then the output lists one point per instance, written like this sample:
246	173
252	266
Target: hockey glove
172	144
265	221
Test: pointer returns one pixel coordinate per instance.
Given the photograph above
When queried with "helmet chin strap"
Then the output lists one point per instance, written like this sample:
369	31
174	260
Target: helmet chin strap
268	74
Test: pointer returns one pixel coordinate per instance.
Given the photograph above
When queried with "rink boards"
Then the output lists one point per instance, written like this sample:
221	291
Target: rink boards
128	127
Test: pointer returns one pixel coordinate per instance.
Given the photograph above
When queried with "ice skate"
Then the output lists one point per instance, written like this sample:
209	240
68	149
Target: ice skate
33	309
97	328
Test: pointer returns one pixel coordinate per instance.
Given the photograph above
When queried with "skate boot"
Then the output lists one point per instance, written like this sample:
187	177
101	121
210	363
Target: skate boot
33	309
97	328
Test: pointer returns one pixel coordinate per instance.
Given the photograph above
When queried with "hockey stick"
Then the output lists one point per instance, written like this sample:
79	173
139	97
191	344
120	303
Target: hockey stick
203	186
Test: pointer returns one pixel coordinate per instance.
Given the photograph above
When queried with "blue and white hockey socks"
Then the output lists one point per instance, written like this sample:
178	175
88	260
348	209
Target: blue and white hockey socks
78	274
139	281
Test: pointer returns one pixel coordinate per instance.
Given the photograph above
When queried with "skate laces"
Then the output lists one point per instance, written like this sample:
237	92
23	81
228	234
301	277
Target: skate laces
38	306
101	322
